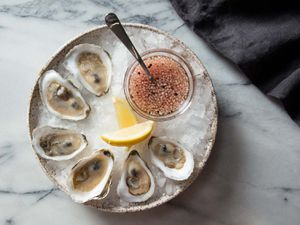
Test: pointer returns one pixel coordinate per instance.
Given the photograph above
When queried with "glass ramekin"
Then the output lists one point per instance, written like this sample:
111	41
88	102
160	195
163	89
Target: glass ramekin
173	55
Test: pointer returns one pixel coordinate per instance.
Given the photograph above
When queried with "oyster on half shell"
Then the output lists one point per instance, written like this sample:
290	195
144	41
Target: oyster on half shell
91	65
90	178
136	183
62	98
57	143
171	158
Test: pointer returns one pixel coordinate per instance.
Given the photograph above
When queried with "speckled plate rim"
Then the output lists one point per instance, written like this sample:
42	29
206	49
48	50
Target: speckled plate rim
208	146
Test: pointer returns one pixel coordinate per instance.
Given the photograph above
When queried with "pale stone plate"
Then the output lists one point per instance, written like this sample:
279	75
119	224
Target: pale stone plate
200	120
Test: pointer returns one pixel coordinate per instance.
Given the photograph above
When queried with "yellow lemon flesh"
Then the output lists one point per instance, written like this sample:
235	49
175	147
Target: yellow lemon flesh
125	116
130	135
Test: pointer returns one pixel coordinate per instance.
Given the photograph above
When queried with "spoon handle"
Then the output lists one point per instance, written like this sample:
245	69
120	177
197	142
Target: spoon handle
114	24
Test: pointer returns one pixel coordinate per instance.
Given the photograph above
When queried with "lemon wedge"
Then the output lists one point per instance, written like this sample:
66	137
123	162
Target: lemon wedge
125	116
130	135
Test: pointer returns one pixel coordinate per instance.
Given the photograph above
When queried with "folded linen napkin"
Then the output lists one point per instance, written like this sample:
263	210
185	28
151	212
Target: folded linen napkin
261	37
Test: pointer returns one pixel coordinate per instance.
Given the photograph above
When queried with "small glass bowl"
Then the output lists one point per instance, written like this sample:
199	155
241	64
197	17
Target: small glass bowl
167	53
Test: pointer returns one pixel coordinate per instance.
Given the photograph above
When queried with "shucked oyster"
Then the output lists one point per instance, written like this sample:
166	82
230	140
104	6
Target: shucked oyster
90	178
92	66
61	98
57	143
136	183
171	158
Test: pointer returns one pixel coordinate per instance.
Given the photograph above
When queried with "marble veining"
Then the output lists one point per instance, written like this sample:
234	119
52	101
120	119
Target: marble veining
252	176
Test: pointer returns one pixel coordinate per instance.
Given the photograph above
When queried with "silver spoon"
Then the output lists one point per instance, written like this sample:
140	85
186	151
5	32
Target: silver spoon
114	24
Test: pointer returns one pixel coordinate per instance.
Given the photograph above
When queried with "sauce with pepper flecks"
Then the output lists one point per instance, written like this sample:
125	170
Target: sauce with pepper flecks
166	93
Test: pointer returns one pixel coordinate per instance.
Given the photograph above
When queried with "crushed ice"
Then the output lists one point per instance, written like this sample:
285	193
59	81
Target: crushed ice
190	128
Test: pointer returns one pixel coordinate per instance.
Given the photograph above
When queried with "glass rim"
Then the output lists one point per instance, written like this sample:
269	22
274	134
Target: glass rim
191	80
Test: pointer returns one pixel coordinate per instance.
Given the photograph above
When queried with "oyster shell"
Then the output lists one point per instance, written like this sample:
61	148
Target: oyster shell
62	98
136	183
57	143
171	158
91	65
90	178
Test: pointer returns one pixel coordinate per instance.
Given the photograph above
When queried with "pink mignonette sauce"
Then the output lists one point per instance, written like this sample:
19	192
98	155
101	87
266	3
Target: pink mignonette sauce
166	93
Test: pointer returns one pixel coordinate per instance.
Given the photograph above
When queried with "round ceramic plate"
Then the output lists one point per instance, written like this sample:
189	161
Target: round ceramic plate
195	128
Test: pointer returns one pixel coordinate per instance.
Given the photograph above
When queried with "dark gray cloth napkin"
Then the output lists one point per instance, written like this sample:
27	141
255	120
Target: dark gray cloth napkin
261	37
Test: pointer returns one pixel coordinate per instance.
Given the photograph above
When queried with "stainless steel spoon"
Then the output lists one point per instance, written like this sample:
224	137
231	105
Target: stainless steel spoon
114	24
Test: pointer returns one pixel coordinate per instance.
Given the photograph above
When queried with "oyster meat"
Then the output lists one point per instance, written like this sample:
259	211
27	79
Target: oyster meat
57	143
62	98
91	65
136	183
90	178
171	158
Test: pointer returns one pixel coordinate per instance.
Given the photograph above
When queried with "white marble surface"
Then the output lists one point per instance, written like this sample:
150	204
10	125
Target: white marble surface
251	178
